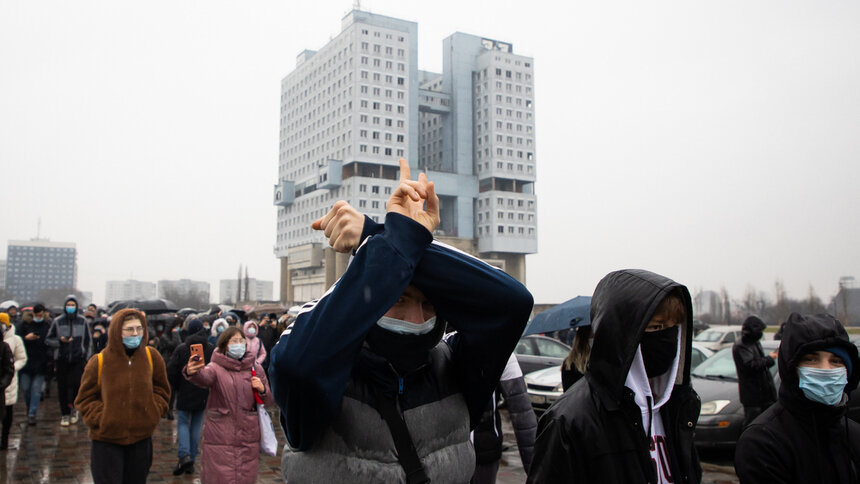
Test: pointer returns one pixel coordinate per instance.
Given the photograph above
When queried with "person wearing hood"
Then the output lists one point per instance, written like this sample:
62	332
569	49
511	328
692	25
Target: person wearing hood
231	435
124	392
100	337
631	418
806	435
267	336
755	384
32	375
255	345
19	354
70	334
190	399
14	316
232	319
368	391
218	327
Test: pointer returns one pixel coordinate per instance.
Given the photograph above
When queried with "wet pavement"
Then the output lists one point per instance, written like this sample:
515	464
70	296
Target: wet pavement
48	453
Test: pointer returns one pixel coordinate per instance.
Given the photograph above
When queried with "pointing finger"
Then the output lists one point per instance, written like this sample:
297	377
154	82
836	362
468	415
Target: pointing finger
404	169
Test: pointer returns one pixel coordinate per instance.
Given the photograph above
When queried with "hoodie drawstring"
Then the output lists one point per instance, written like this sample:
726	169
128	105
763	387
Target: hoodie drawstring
650	418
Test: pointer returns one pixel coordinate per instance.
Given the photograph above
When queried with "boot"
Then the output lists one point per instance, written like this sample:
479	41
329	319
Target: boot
182	465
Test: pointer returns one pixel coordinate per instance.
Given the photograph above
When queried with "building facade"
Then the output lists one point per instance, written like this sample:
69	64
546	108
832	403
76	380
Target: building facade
257	291
36	265
128	289
2	274
349	112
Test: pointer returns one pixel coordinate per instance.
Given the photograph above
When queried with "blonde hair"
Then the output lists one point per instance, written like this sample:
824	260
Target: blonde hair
581	350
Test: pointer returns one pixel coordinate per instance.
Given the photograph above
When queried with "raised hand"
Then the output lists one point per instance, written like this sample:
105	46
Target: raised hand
415	199
342	226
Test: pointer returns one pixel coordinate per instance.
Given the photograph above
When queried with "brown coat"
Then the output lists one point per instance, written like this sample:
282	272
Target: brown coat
128	403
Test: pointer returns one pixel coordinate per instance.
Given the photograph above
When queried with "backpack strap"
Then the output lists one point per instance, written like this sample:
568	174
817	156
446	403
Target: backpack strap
149	357
406	453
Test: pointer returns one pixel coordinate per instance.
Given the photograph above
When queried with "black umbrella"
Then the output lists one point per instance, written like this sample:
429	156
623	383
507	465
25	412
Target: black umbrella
148	306
567	315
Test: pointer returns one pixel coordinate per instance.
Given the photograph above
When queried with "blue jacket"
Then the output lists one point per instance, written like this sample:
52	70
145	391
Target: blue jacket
310	369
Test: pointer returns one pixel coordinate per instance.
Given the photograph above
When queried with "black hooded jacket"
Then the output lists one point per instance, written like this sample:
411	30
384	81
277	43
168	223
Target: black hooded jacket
594	432
797	440
74	327
755	385
189	397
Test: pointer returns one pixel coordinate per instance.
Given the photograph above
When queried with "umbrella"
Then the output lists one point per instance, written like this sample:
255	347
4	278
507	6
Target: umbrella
148	306
265	308
567	315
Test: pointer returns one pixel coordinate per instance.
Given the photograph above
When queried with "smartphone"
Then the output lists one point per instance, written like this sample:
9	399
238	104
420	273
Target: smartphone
197	350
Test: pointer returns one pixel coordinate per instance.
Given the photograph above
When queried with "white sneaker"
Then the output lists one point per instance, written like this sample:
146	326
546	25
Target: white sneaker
75	417
64	421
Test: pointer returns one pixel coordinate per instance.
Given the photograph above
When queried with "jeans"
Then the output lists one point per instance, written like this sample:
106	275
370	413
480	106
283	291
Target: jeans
31	387
188	426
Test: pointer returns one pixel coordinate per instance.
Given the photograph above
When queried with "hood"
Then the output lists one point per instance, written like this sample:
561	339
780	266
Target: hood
115	330
247	325
752	329
71	297
200	337
806	333
623	303
220	322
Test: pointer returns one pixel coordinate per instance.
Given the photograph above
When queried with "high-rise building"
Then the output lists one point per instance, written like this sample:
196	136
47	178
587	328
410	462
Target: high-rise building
183	287
350	110
36	265
2	274
128	289
257	290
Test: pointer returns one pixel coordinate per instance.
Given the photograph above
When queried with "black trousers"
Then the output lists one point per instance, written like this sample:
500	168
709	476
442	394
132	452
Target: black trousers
750	413
7	426
68	381
126	464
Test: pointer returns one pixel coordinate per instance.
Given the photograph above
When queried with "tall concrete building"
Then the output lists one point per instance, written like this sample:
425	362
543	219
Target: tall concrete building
128	289
2	274
350	110
257	290
39	264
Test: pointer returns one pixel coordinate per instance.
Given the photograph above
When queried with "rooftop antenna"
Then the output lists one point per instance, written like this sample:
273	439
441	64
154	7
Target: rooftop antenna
356	5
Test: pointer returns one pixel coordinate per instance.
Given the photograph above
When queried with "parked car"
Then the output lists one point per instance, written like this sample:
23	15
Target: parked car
535	352
716	381
716	338
544	386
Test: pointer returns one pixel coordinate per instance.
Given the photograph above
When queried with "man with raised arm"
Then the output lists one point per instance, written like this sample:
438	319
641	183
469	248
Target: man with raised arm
368	391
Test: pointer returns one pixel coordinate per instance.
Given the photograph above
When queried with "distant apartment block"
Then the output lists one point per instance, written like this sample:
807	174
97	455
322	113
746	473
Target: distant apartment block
184	287
128	289
2	274
350	110
36	265
257	290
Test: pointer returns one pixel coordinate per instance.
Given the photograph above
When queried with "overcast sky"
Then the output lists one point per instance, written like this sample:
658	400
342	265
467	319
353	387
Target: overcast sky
717	143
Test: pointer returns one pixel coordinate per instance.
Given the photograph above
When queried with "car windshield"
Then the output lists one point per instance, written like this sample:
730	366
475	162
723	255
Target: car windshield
709	336
720	365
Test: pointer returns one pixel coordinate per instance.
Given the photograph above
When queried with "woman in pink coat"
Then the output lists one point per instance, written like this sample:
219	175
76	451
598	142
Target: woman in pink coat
255	346
231	434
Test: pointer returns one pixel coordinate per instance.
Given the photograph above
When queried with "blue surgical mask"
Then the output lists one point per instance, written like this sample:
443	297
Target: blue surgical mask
236	350
71	310
400	326
823	386
38	320
220	329
131	342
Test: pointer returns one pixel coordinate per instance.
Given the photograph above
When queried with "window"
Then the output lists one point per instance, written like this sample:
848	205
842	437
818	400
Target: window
374	189
501	229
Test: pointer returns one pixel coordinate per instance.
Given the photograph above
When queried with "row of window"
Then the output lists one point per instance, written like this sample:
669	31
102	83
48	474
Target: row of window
378	34
380	49
521	217
500	202
500	230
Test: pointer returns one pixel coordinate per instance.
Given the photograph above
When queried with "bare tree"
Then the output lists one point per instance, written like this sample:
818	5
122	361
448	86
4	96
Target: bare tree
56	297
239	285
190	299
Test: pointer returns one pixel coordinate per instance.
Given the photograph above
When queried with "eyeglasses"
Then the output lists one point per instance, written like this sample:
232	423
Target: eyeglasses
133	330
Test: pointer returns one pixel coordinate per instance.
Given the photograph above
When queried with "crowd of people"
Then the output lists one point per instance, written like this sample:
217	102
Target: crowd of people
395	375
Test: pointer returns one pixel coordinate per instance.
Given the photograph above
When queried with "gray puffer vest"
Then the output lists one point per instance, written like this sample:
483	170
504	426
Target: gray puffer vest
358	447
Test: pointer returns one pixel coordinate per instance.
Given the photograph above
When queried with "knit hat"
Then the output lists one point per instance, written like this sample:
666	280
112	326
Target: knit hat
840	352
194	326
4	318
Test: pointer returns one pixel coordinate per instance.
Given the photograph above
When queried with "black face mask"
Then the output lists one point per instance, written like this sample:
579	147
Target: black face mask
751	335
658	350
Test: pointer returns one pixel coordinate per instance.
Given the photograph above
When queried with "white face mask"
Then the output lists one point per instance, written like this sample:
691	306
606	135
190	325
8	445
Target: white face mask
400	326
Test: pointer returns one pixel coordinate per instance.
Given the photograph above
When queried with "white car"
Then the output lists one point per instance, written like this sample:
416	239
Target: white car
716	338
